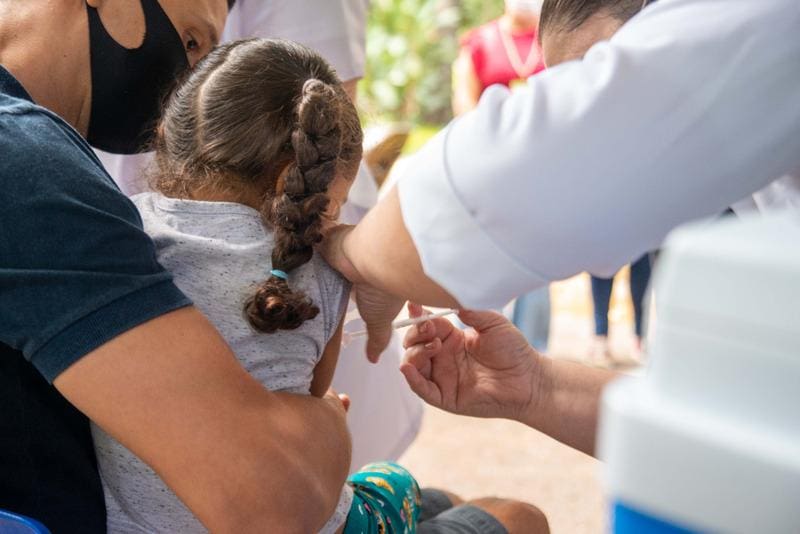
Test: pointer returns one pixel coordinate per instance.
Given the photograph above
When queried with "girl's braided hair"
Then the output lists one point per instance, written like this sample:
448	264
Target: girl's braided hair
250	113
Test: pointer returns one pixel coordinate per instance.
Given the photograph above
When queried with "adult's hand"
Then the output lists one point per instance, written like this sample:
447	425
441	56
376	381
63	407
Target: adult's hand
490	371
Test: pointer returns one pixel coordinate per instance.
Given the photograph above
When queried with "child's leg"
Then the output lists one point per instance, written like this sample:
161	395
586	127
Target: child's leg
386	500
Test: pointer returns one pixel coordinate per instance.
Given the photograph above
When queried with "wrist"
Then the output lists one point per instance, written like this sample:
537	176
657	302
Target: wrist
540	404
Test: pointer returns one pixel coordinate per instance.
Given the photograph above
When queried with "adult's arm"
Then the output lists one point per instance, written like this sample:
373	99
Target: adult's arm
91	309
243	459
690	107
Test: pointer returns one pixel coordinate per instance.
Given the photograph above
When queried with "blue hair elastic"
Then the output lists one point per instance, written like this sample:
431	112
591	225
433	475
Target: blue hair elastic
280	274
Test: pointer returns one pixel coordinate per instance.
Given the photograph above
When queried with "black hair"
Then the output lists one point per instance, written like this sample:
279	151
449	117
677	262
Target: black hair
568	15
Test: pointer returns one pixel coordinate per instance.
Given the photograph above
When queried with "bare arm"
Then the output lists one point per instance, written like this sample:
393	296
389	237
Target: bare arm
570	403
380	252
240	457
326	366
466	86
380	258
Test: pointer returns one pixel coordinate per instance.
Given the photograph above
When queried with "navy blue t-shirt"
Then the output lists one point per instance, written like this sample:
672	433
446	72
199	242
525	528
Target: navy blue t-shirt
76	270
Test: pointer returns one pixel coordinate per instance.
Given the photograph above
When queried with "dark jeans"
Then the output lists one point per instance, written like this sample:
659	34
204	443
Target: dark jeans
601	295
438	516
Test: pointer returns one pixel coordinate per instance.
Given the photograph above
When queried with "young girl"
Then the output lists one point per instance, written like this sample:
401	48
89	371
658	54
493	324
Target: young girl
255	152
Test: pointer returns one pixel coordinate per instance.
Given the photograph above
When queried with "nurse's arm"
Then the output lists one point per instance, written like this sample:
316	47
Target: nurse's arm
243	459
380	253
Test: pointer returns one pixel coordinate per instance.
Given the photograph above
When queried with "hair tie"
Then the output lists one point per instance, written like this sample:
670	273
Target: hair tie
279	274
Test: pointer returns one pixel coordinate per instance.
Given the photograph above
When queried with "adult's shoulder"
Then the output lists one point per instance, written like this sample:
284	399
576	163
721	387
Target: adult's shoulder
46	163
72	240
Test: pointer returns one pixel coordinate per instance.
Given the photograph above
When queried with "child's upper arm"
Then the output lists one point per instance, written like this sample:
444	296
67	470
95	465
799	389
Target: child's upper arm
323	372
336	296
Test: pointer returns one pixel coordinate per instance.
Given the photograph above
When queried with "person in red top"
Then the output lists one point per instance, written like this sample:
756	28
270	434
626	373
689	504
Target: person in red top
504	51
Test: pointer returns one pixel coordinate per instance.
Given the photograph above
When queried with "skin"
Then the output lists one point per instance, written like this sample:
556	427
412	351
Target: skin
170	389
466	87
491	372
559	46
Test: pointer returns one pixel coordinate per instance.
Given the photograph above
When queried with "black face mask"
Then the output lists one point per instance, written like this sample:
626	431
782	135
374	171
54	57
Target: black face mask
128	85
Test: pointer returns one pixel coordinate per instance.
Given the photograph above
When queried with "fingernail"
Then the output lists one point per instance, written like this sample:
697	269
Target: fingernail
431	345
423	327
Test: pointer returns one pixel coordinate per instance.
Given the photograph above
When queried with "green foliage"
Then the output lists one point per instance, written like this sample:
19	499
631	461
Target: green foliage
411	45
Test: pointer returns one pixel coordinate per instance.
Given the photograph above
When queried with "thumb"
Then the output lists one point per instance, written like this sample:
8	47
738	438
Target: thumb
345	401
482	320
341	402
378	338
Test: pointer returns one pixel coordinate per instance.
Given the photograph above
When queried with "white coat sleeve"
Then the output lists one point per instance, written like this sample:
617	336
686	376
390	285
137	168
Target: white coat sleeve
692	106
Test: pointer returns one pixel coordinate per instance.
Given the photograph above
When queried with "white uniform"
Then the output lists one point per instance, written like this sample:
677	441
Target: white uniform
692	106
385	415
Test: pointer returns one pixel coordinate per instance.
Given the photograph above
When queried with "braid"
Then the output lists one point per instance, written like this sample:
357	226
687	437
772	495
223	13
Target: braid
252	115
296	214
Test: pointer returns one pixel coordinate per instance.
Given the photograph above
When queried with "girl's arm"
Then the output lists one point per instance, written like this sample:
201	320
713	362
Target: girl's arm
323	372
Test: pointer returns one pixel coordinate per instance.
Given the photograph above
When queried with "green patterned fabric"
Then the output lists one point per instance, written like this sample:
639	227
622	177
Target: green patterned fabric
386	501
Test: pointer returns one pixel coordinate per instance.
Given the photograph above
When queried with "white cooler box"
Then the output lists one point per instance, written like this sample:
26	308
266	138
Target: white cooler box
709	439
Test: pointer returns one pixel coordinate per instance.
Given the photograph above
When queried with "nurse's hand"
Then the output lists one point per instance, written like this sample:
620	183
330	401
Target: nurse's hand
490	371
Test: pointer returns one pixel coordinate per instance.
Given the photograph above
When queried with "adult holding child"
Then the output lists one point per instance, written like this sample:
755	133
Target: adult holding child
93	327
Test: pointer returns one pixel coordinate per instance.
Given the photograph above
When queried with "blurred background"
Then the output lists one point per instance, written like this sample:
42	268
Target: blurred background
411	46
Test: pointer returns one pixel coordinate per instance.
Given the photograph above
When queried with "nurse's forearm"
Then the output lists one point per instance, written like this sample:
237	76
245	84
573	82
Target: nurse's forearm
569	406
383	255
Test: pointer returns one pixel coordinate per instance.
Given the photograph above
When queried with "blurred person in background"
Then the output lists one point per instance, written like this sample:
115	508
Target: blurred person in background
638	278
337	31
505	51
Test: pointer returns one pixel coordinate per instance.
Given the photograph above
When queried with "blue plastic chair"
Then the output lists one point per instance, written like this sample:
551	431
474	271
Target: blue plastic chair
11	523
